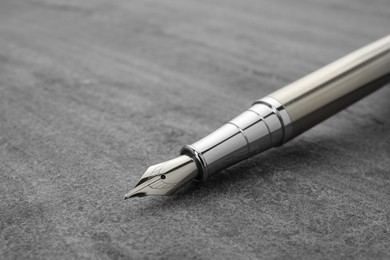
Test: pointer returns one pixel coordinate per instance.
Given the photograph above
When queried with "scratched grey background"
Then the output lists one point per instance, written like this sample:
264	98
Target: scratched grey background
92	92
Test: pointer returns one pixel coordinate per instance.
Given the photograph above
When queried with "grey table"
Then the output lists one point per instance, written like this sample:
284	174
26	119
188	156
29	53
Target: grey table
92	92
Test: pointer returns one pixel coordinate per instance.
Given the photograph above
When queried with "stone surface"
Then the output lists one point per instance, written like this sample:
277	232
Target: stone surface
92	92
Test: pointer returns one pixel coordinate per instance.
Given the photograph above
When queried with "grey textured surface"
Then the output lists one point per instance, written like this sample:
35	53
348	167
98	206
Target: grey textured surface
92	92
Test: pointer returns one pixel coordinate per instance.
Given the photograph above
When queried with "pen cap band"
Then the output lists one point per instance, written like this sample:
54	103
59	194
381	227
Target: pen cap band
261	127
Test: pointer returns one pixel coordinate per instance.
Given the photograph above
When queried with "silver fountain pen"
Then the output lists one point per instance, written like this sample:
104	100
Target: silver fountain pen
274	119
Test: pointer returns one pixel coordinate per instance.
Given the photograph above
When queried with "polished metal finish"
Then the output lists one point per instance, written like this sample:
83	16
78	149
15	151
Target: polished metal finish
165	178
286	113
275	119
326	91
259	128
281	112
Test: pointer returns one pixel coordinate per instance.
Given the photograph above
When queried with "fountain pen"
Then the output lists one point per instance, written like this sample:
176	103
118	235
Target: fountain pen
274	119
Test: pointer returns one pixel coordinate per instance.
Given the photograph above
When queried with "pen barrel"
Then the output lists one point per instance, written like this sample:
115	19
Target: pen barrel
288	112
330	89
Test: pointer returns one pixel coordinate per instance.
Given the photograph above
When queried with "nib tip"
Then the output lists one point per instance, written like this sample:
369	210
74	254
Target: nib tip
165	178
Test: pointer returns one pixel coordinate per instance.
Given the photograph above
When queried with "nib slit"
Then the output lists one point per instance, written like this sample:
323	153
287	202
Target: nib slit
165	178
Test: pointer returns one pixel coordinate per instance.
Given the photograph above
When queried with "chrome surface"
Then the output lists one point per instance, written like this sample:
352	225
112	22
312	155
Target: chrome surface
259	128
165	178
281	112
326	91
286	113
275	119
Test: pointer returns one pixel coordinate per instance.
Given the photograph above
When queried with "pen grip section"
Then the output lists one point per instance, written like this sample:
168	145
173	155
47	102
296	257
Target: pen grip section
255	130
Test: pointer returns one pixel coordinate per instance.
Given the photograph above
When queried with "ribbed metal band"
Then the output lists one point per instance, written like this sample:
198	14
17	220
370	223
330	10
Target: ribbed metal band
262	126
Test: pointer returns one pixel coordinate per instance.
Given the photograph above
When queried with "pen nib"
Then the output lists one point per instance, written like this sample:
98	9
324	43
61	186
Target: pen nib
165	178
